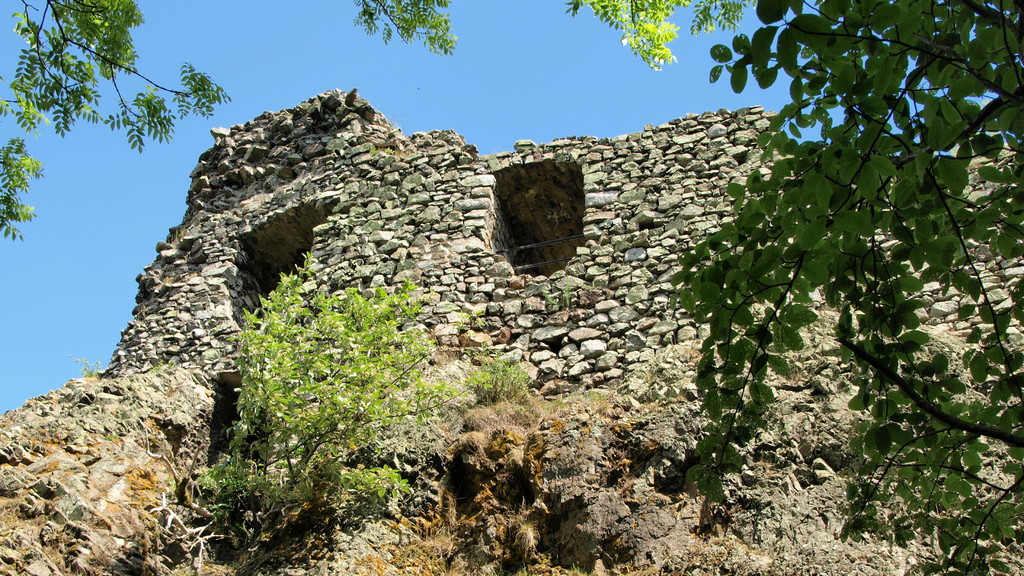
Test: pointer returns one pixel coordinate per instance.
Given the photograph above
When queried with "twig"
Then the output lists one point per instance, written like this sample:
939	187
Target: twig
195	534
928	407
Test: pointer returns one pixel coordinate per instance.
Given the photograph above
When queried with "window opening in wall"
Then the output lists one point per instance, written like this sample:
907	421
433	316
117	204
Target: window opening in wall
539	219
276	247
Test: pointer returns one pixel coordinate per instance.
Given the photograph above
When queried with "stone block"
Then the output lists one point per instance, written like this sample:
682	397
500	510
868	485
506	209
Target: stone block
593	348
599	199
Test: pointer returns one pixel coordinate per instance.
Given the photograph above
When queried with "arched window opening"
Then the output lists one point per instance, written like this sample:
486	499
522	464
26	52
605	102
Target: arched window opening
539	220
276	247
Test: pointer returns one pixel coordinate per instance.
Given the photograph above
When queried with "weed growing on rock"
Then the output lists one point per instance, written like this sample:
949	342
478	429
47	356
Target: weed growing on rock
498	381
88	369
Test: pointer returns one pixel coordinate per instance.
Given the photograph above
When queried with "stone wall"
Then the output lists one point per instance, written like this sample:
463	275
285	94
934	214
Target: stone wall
557	254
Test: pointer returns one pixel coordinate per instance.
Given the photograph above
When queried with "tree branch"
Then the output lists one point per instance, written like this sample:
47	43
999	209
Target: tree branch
928	407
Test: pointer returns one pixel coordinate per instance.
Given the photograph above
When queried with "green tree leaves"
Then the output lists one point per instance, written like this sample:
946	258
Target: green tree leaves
646	25
72	50
321	376
423	20
16	169
771	11
896	166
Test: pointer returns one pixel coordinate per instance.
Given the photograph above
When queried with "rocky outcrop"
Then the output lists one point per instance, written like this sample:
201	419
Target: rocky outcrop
84	469
596	483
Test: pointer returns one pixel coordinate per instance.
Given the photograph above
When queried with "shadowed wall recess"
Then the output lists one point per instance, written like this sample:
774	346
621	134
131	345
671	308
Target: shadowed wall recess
539	215
277	247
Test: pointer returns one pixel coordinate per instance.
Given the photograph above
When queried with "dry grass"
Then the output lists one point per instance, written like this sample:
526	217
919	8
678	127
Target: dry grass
521	417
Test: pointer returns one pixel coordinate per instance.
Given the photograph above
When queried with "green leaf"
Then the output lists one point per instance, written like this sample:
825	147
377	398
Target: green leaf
881	439
813	25
995	175
771	11
761	45
766	77
952	173
815	272
790	338
979	367
798	315
788	49
916	336
811	234
738	80
971	461
859	401
855	222
796	90
735	190
716	73
721	53
741	44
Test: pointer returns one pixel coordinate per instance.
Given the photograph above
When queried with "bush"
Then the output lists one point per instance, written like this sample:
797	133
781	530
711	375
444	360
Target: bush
500	380
321	376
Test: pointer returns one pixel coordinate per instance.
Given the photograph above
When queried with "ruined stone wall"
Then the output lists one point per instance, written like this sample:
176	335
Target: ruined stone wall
557	254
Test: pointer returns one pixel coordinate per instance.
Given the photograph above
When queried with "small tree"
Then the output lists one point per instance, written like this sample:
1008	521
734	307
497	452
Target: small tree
321	376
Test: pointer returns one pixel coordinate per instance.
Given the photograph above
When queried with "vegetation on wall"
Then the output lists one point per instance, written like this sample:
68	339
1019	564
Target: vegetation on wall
322	375
501	380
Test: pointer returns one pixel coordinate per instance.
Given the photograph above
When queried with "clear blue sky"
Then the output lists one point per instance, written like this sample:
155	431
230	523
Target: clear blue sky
523	69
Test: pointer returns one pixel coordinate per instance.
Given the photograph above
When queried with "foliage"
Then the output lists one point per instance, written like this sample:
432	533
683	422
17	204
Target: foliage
89	369
646	25
424	20
562	298
16	169
502	380
72	48
321	376
913	176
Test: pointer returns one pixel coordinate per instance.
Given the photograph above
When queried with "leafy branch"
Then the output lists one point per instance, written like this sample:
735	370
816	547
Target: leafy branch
74	48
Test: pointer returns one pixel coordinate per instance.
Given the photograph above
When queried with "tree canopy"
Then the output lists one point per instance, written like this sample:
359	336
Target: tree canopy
74	50
897	166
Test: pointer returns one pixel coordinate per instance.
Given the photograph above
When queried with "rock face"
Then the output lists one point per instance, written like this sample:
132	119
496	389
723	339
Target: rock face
556	255
83	469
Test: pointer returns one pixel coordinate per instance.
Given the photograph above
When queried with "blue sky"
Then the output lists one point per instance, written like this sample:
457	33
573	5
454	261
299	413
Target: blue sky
522	70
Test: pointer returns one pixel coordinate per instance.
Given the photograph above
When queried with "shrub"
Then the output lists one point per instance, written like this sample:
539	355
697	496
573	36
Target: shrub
500	380
321	376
